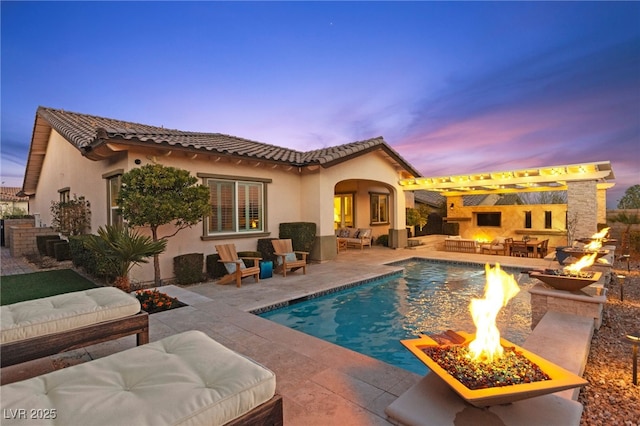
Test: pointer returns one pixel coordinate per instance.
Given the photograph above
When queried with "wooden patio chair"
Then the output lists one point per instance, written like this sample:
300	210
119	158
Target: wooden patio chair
288	258
235	266
519	249
543	249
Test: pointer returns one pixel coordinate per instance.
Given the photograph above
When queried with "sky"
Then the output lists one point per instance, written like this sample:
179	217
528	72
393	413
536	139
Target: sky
454	87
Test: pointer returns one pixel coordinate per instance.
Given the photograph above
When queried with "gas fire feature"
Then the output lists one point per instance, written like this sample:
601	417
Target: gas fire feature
566	281
558	378
483	368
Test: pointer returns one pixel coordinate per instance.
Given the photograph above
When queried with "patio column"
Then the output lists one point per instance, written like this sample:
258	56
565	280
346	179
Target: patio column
582	208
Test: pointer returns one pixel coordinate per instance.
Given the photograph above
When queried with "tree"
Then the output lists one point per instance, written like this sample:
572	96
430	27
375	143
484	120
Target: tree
71	217
629	220
154	195
417	216
122	249
631	198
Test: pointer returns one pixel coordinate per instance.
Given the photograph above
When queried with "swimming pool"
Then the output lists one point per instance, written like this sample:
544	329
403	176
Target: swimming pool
427	297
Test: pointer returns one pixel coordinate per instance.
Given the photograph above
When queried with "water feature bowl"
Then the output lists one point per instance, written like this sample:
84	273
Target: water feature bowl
559	378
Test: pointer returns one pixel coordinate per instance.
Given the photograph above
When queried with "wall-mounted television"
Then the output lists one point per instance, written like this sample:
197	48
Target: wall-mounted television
488	219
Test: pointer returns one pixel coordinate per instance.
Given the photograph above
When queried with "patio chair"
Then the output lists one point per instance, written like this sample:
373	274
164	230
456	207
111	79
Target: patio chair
519	249
235	266
543	250
288	258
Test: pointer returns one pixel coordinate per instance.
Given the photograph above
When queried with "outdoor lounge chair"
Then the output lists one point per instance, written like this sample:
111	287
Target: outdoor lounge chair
499	245
184	379
235	266
288	258
42	327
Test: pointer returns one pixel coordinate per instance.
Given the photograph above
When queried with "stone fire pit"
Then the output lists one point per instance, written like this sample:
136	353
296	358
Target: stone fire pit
560	281
558	378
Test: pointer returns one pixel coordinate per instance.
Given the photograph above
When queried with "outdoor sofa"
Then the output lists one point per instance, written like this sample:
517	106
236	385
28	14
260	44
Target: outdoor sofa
459	244
184	379
355	237
42	327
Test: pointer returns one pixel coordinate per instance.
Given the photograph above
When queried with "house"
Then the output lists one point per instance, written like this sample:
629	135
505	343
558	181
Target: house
261	185
11	203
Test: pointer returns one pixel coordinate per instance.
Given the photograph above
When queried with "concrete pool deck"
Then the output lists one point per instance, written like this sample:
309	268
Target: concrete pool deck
321	384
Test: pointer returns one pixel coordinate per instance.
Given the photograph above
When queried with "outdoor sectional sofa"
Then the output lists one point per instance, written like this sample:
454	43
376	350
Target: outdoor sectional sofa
184	379
50	325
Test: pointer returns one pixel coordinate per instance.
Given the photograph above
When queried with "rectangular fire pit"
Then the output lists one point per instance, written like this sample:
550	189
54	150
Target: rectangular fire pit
565	282
577	252
559	378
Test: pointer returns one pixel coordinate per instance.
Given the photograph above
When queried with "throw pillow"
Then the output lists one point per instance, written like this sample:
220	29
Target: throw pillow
231	266
290	257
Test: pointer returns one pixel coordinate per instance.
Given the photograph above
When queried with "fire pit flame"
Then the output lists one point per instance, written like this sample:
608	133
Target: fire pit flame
596	240
500	287
585	261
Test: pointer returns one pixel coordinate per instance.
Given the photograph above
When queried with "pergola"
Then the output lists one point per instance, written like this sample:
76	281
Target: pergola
585	183
548	178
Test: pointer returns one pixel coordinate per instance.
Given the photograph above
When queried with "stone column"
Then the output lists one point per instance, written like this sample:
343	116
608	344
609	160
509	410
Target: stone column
582	207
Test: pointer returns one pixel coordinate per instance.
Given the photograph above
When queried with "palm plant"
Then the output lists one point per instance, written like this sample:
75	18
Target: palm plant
122	249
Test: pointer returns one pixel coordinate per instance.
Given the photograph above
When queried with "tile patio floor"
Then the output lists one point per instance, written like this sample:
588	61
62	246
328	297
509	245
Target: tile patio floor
321	383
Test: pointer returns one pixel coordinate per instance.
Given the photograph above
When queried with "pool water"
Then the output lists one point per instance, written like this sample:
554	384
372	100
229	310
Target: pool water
428	297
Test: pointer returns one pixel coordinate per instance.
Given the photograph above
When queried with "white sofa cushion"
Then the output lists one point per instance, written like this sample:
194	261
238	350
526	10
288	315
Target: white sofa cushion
184	379
64	312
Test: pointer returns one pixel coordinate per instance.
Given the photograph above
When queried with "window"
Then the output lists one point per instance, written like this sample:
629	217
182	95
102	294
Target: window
488	219
113	191
547	219
379	208
65	194
236	206
527	219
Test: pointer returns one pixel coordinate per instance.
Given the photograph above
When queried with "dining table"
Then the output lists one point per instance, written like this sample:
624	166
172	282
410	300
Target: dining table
533	247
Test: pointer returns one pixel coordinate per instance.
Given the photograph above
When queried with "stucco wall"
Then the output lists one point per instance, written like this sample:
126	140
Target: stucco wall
291	195
65	167
512	221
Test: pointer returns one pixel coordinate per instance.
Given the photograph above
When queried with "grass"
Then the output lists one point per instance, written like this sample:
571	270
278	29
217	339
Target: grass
18	288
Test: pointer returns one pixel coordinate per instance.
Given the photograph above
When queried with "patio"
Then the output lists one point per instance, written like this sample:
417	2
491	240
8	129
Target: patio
320	383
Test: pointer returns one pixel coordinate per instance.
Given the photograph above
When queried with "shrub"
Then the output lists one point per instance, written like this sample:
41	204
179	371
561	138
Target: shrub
187	268
72	217
80	255
215	269
634	241
62	251
266	249
302	235
41	242
248	254
383	240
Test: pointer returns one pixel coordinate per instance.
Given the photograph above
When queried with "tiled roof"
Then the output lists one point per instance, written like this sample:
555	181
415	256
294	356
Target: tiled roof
87	132
10	193
431	198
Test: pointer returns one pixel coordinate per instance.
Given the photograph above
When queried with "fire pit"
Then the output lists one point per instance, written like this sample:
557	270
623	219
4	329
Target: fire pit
580	252
483	368
567	281
556	378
